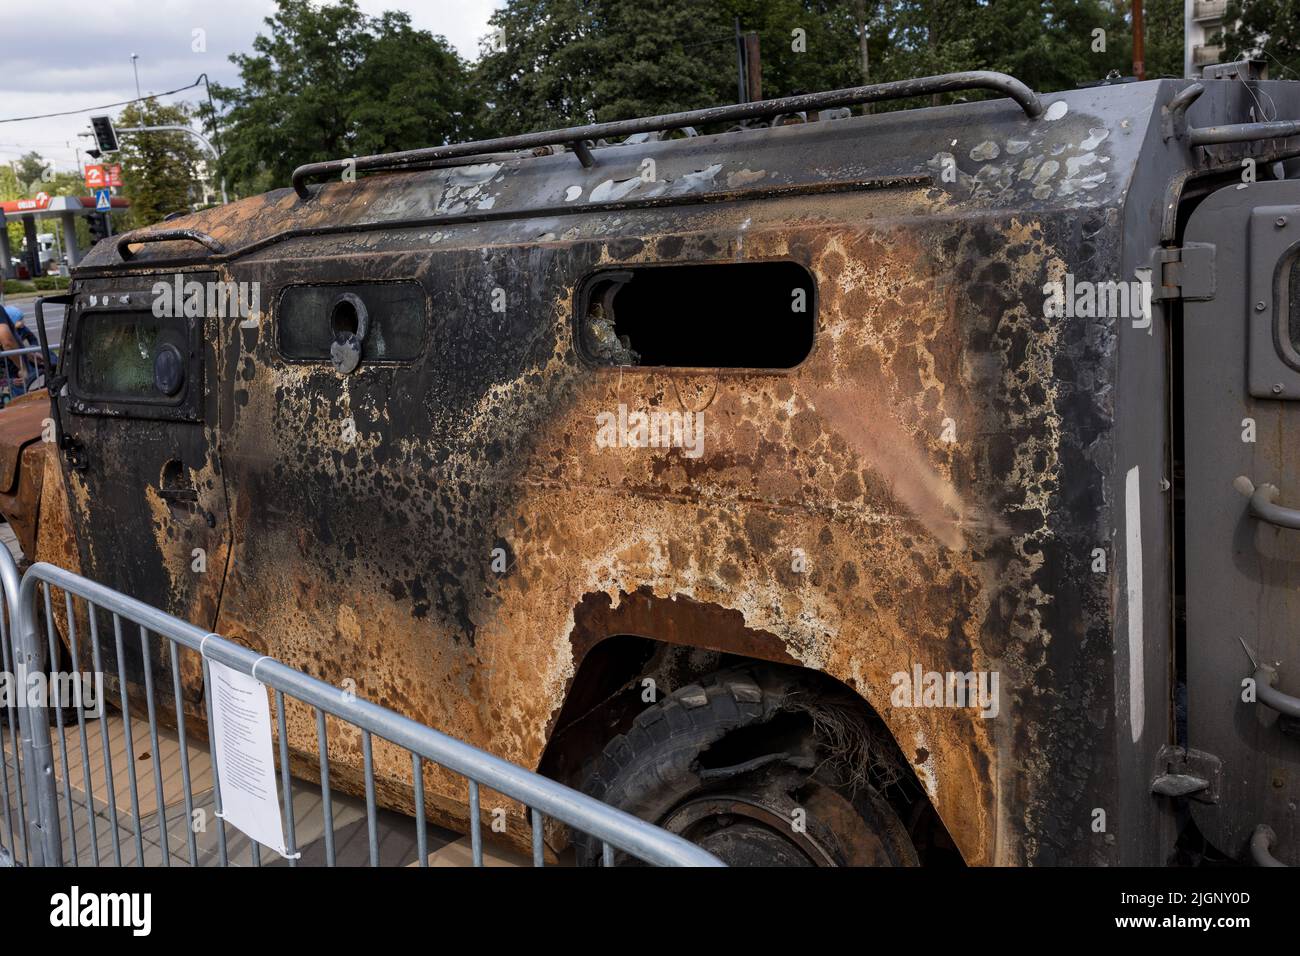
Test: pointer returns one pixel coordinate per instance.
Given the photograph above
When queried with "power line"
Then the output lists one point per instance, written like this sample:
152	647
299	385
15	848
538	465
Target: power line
106	106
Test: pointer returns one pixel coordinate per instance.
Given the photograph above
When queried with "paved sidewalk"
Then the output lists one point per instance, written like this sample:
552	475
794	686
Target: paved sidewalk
93	832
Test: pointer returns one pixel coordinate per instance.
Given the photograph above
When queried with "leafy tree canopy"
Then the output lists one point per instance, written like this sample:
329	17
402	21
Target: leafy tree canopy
327	81
1269	29
159	170
559	62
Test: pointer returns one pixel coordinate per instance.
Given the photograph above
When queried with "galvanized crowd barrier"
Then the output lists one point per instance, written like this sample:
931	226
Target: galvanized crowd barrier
6	380
13	820
35	811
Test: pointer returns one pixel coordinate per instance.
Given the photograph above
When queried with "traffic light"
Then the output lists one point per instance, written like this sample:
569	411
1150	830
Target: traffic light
98	227
105	135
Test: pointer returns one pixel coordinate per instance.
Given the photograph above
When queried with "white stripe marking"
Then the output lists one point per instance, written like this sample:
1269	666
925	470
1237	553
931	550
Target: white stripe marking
1133	603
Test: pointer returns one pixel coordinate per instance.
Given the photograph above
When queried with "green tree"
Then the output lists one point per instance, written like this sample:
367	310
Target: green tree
822	55
327	82
566	62
1164	38
1048	44
563	62
32	171
159	170
1267	28
13	187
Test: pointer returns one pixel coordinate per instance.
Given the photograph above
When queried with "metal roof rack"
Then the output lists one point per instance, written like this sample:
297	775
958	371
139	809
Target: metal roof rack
576	137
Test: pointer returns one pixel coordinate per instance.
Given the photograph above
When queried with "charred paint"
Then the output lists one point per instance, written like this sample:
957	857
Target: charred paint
929	456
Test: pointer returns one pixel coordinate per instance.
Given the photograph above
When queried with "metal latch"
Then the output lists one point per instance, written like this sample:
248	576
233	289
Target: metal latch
1183	272
1183	772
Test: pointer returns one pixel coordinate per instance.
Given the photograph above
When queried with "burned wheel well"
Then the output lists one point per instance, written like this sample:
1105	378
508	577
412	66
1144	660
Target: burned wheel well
624	674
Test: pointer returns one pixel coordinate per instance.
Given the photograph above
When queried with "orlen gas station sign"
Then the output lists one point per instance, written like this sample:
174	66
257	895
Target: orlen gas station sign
41	201
101	175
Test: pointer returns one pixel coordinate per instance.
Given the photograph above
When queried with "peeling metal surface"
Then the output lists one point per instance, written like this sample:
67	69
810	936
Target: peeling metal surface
377	568
940	457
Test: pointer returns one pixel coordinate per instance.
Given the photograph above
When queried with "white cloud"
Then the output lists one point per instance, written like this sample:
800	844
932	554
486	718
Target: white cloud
462	22
88	61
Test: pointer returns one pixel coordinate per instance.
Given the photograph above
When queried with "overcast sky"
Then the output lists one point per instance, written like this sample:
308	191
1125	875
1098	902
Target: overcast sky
67	54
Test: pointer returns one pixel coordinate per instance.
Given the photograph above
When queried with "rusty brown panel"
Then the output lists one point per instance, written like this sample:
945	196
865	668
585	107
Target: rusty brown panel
56	541
844	460
22	467
680	620
375	568
20	424
21	508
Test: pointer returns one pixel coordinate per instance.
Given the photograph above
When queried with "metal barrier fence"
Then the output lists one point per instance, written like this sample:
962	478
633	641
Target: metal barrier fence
13	820
6	380
32	824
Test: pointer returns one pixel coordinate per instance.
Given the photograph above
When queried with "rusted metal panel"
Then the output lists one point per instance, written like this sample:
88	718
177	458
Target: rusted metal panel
19	427
22	467
377	568
369	561
946	457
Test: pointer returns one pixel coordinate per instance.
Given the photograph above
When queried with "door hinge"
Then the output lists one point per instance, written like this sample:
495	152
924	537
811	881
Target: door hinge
1183	272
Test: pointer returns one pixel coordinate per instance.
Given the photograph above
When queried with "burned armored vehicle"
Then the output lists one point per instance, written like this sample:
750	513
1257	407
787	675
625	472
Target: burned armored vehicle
894	488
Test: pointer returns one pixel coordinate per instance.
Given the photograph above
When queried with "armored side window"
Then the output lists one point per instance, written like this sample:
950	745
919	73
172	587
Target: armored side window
750	315
1273	313
1293	311
388	319
134	357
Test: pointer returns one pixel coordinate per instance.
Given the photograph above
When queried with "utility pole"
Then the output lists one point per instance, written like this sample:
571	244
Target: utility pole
1139	54
740	65
861	10
753	68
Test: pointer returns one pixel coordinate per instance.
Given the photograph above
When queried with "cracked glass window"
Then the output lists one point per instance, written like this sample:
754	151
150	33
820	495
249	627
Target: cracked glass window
116	352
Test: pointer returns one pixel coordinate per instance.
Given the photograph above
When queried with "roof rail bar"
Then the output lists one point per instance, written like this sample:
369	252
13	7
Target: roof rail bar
576	137
140	236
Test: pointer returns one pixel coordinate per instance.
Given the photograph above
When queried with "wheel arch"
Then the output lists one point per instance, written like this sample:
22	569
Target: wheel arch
674	642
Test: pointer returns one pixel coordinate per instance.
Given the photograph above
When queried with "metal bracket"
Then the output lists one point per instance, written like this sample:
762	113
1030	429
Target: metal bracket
1183	772
583	152
1248	70
1183	272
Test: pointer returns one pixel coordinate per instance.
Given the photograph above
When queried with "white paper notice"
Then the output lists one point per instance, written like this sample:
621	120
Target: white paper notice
245	765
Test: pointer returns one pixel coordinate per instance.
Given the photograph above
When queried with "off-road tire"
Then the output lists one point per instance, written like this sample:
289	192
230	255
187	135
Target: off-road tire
652	769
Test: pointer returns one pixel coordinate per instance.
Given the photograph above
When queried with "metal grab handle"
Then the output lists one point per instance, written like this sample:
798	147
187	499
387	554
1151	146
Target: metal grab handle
141	236
1218	135
1265	677
1263	504
1242	132
1262	842
1009	86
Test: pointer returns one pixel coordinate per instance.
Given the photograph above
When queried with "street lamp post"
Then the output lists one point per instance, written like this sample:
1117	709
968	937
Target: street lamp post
136	69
